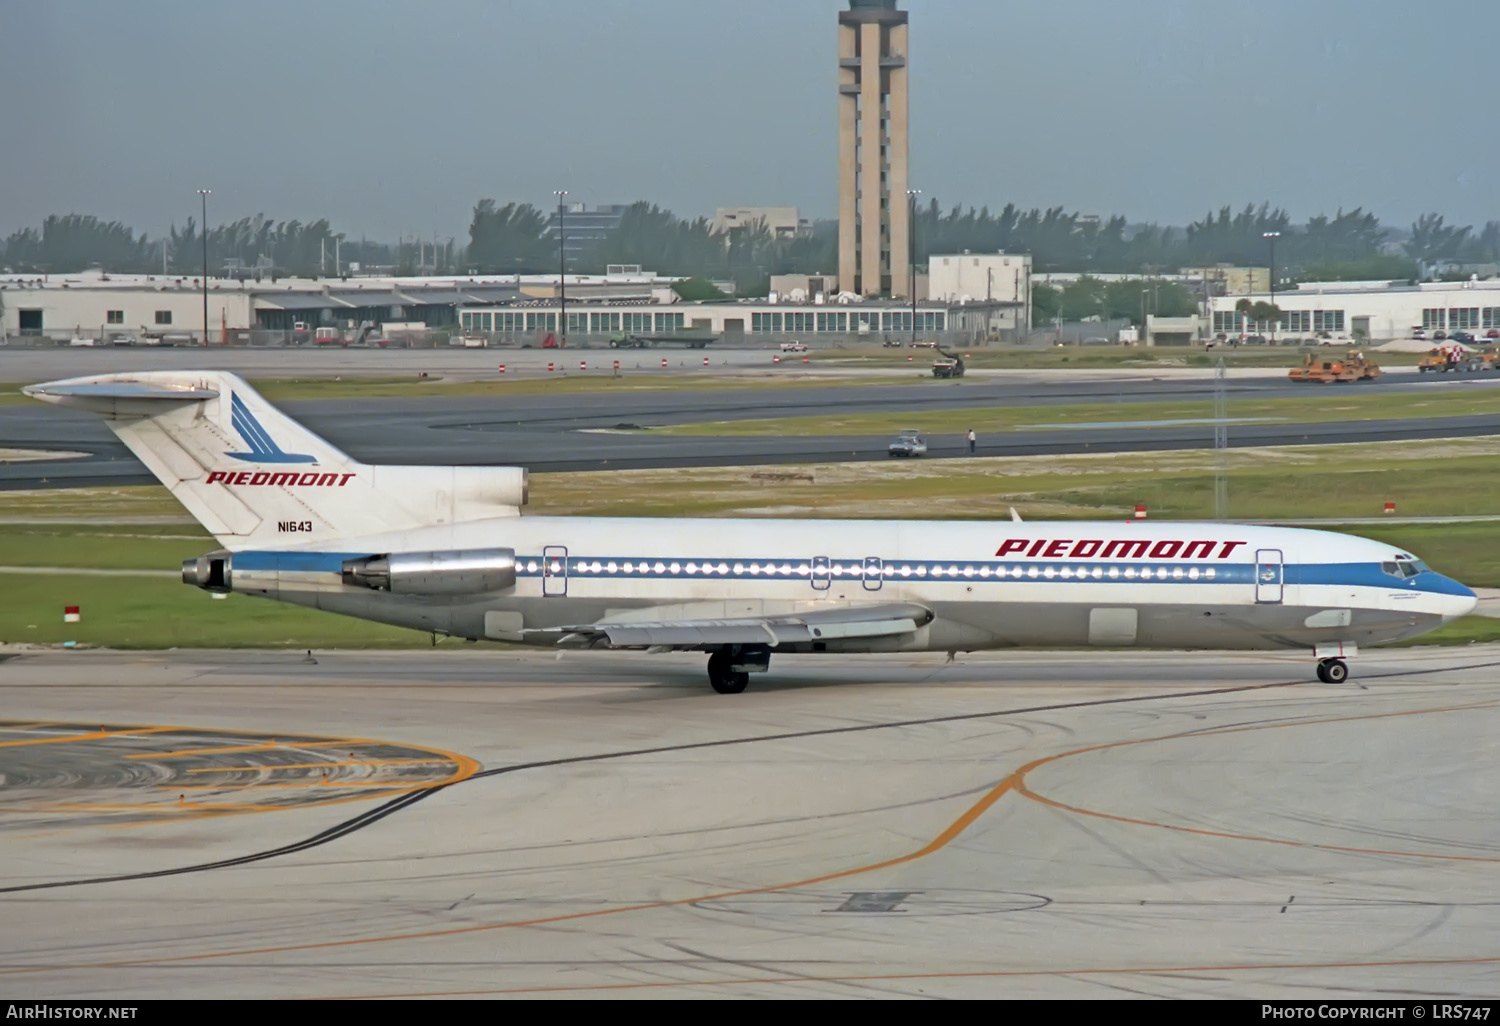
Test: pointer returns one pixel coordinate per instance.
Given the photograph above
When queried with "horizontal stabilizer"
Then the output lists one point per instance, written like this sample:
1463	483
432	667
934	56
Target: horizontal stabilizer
101	396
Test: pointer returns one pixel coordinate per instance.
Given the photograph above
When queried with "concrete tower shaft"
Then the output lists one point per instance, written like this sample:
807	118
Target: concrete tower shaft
874	222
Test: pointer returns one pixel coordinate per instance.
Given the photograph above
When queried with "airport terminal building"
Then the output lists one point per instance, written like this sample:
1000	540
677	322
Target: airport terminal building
1377	311
514	309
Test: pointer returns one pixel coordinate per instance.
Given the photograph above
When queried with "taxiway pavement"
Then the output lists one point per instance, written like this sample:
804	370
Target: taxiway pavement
1018	824
611	430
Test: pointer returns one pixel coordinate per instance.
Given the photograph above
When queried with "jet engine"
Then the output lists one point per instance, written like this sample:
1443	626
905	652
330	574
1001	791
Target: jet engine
471	572
212	572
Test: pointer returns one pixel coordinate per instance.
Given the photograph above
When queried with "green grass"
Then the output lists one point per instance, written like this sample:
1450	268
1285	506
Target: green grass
1466	552
148	612
133	504
1454	477
1471	630
122	547
1320	404
564	383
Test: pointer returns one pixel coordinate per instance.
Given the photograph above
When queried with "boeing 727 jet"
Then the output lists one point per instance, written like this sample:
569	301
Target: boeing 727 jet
447	550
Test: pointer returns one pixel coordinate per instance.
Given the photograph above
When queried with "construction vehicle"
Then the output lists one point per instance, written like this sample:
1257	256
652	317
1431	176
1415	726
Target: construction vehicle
1354	366
950	366
1443	359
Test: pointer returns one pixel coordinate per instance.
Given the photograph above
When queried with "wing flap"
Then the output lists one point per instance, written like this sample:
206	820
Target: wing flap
818	625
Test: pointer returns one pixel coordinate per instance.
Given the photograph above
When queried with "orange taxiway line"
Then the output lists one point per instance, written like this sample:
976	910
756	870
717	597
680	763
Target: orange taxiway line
264	746
93	736
319	782
318	765
1025	791
942	840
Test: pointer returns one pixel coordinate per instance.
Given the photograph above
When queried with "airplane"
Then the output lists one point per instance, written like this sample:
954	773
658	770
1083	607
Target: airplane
447	550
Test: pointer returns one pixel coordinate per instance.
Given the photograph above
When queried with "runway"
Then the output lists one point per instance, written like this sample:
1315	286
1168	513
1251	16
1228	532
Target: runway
1018	825
611	430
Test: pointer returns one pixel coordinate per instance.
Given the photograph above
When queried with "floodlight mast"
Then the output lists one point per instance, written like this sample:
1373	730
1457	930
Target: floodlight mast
203	194
562	267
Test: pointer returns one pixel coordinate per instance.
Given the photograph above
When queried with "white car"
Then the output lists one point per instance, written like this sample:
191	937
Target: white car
83	342
909	443
793	347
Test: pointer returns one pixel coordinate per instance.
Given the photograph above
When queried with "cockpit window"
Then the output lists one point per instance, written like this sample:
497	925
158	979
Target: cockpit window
1391	568
1410	567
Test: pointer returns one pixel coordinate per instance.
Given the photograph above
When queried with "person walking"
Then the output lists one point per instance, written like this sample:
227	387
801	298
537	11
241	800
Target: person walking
972	440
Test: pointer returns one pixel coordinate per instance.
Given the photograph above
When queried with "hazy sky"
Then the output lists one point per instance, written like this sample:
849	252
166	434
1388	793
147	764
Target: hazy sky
394	118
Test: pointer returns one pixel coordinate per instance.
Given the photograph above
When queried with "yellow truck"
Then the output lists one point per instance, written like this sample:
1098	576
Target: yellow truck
1441	361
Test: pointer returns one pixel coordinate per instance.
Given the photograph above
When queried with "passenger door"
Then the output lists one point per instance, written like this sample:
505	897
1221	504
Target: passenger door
1270	576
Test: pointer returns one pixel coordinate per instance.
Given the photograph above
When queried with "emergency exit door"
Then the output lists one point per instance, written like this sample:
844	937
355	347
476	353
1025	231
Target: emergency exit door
554	571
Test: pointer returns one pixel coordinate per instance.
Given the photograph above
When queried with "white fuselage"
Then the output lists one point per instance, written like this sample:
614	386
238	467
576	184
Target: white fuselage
988	584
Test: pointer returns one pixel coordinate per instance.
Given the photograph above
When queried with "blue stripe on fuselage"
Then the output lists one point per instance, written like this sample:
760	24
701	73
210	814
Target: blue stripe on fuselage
1364	575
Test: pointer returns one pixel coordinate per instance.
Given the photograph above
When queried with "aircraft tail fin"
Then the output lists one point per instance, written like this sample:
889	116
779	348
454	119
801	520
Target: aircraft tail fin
253	476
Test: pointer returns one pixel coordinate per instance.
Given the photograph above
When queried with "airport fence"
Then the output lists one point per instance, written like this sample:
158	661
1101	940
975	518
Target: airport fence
442	338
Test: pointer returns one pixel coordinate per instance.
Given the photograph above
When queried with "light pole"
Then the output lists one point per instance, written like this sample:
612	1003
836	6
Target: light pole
562	266
911	255
1144	294
203	195
1271	237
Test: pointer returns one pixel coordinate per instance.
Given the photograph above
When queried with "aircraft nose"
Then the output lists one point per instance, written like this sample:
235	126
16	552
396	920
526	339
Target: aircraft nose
1458	600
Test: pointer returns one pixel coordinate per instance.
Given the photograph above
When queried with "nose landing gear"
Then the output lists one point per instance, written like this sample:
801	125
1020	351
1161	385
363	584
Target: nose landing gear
1333	671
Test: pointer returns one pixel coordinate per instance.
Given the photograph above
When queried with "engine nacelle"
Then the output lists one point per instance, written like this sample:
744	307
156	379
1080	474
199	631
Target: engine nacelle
213	572
472	572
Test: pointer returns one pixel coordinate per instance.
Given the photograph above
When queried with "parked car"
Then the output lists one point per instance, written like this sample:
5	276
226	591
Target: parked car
908	443
124	340
1420	334
81	342
1461	336
925	345
1440	335
793	347
1493	333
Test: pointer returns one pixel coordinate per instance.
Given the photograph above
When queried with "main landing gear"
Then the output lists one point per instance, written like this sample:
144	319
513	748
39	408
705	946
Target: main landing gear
729	669
724	679
1333	671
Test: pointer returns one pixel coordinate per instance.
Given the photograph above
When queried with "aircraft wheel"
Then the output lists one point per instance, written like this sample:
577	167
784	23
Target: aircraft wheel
724	680
1333	671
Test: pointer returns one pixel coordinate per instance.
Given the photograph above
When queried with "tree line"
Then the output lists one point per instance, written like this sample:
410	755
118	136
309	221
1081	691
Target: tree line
512	238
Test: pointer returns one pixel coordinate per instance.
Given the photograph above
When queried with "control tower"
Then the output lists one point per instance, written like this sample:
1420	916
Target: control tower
874	222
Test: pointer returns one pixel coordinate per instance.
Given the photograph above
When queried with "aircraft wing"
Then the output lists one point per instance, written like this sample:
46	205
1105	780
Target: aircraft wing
829	624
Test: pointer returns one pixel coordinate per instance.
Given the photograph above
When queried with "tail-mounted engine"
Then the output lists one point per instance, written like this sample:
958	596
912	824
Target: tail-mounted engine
213	572
472	572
